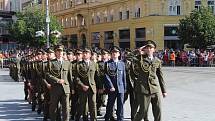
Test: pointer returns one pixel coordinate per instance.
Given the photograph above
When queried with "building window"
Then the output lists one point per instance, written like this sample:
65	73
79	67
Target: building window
171	39
127	14
211	5
174	7
65	23
120	15
105	19
140	36
111	18
95	39
124	34
137	13
108	35
74	41
124	38
108	40
140	32
97	19
71	21
170	31
76	21
198	4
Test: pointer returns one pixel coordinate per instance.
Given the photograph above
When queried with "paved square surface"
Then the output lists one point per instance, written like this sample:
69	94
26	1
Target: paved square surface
191	97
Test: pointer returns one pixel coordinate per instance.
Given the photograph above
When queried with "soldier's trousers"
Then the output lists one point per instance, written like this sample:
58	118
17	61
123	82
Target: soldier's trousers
112	97
46	104
34	93
74	104
82	103
99	101
55	98
144	100
26	87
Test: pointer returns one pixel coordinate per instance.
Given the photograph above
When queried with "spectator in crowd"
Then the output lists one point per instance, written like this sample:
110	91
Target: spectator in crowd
172	58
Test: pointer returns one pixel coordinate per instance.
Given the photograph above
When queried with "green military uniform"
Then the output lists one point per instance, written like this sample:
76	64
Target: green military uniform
133	72
75	97
85	76
100	77
24	75
129	81
59	92
34	84
39	75
100	99
46	90
148	87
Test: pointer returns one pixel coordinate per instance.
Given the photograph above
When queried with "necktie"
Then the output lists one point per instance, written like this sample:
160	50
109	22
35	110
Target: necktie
115	64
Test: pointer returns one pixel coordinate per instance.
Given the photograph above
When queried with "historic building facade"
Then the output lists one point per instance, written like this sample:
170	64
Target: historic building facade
127	23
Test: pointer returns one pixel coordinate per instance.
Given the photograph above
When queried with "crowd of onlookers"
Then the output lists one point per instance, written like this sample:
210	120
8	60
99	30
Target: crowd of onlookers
170	57
195	57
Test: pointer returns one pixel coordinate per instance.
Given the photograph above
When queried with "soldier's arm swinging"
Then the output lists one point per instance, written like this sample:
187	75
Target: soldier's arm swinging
161	80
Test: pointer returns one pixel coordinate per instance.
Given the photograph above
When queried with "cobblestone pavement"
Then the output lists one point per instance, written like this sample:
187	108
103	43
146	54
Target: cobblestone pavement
191	97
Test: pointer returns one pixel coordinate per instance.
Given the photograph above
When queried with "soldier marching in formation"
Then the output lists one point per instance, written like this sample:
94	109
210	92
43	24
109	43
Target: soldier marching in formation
66	85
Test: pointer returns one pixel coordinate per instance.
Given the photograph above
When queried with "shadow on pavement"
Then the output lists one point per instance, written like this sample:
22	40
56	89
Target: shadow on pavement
17	110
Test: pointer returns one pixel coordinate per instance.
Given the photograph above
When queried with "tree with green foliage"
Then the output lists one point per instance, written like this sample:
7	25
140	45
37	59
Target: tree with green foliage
198	29
29	22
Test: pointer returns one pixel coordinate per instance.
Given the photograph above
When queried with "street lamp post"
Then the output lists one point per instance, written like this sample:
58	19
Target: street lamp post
47	23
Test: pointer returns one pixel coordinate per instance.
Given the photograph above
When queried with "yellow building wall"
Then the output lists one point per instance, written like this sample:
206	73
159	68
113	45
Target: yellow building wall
154	15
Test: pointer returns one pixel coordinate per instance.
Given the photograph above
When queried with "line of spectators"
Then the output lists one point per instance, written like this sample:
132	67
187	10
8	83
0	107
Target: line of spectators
195	57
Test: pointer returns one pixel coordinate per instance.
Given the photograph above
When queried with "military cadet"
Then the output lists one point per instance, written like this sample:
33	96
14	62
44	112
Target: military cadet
148	87
47	88
99	56
60	78
100	99
65	56
134	75
39	76
70	55
46	83
115	84
24	75
18	68
78	58
94	57
33	80
85	77
130	84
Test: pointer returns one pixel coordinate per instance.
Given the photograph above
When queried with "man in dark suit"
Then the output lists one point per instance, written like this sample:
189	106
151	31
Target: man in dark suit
115	84
147	86
60	78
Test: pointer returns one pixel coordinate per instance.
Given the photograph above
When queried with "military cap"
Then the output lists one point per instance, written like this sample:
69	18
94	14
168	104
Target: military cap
49	50
104	51
87	50
69	51
115	49
94	53
127	51
58	47
151	43
44	52
39	52
78	51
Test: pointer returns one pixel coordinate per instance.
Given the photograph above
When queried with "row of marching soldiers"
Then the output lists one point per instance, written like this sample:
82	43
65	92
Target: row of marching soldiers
71	85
